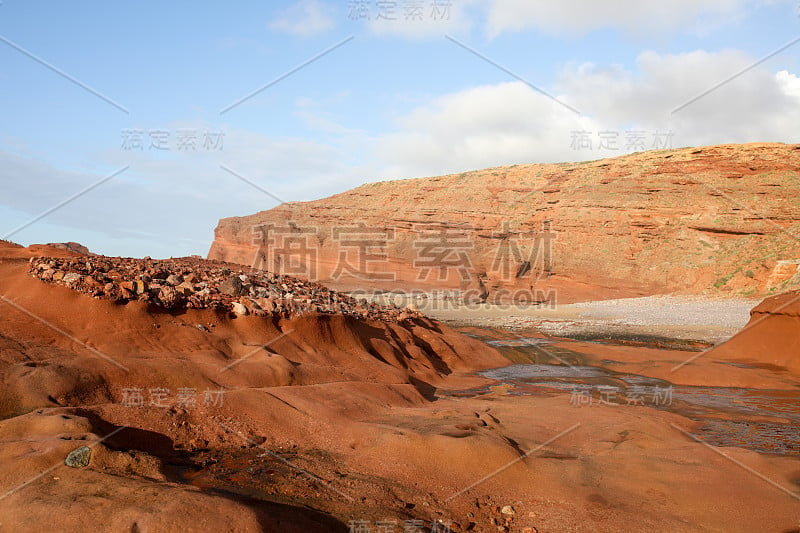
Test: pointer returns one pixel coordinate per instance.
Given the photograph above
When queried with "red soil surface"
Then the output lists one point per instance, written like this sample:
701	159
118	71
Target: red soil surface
327	420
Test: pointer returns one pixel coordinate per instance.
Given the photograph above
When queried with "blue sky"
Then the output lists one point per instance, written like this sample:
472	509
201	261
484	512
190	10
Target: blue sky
404	94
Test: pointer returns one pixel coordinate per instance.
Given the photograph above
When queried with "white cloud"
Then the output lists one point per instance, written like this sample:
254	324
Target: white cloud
789	83
510	123
426	20
635	16
305	18
756	106
571	17
480	127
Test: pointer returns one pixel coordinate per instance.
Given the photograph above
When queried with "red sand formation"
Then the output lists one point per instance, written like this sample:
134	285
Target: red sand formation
66	360
772	337
329	345
327	421
689	220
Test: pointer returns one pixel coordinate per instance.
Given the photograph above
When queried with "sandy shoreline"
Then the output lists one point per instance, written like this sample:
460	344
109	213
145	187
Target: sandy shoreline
695	318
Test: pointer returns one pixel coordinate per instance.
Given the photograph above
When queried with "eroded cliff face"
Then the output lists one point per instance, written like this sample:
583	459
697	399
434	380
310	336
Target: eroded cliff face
721	219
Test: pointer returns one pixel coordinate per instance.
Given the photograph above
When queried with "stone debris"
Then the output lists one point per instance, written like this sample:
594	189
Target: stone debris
79	457
193	283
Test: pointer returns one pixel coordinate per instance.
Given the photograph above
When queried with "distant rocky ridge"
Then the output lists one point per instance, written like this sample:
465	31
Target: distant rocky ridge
190	283
719	219
76	247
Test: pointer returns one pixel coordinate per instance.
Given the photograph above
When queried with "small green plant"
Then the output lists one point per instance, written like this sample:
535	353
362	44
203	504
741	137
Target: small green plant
722	281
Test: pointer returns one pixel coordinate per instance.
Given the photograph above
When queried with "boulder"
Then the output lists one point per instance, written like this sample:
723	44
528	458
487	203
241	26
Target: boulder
231	286
79	457
169	297
174	280
72	278
185	288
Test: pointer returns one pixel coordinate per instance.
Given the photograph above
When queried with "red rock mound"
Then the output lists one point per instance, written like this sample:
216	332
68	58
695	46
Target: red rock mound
109	343
159	393
771	338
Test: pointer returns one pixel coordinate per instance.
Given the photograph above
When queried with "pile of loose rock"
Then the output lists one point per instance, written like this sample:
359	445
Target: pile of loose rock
193	283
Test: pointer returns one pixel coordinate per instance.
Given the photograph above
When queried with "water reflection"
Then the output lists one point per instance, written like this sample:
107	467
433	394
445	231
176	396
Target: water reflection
766	421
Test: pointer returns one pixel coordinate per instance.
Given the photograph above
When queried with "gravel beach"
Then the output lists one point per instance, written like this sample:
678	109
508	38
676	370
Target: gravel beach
697	318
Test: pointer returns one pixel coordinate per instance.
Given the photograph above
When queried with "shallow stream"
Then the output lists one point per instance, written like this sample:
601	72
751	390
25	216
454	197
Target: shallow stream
763	420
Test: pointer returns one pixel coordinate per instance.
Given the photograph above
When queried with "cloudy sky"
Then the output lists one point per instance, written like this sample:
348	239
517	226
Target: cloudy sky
133	127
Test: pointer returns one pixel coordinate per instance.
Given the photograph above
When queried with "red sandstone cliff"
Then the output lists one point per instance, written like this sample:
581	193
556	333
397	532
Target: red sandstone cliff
720	218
